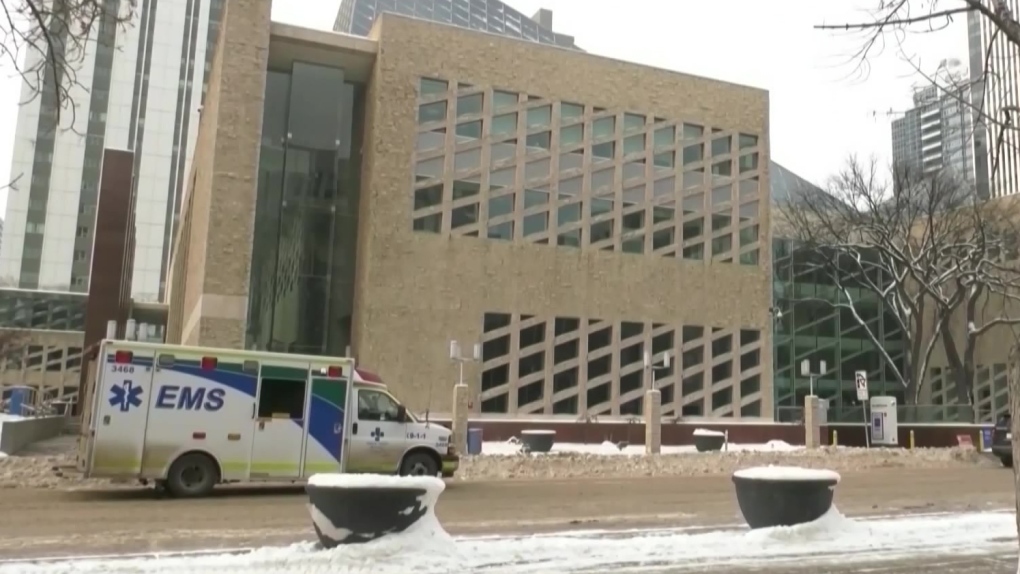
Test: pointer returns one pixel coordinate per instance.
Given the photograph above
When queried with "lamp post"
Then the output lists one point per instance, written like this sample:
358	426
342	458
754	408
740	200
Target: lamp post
653	405
457	357
652	367
461	400
805	370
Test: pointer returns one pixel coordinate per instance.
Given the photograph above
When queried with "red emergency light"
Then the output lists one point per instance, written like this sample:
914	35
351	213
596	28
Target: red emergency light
123	357
335	372
208	363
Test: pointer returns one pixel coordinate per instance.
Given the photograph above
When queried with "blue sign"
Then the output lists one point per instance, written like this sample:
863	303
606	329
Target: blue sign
187	398
125	396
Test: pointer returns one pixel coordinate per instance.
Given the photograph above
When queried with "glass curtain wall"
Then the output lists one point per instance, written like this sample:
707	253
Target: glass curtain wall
305	240
812	327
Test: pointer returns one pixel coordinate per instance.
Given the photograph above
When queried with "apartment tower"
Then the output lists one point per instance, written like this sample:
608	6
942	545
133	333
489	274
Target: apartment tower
140	88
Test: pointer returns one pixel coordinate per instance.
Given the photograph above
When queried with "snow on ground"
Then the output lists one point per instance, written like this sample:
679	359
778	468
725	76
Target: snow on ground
426	549
513	446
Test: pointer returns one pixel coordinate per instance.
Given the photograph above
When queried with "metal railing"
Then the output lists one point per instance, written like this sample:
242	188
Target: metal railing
916	414
35	401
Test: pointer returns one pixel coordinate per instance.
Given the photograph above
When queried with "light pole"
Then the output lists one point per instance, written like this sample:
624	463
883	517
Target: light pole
777	316
653	405
652	367
805	370
461	399
455	356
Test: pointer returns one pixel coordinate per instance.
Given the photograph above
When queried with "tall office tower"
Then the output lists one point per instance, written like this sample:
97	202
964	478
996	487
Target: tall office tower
357	17
140	89
994	74
938	132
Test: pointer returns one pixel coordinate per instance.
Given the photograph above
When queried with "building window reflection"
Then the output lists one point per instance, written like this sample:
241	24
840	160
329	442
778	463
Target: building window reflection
304	250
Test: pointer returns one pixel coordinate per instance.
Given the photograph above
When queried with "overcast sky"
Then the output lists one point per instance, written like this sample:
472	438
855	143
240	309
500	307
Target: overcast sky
822	110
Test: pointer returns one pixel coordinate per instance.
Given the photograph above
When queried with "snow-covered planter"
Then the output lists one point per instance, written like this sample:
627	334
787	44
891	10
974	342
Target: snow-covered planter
784	495
709	440
538	440
356	508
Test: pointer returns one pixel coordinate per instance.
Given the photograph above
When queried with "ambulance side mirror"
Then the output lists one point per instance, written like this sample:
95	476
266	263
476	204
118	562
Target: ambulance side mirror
402	413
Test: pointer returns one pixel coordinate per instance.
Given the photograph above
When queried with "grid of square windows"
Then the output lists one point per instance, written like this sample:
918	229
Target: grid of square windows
587	366
509	166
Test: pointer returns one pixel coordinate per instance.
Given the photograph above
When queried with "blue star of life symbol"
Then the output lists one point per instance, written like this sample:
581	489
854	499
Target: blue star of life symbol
377	434
125	396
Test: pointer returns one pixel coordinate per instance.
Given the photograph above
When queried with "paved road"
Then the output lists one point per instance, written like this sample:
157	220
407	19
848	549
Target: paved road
53	523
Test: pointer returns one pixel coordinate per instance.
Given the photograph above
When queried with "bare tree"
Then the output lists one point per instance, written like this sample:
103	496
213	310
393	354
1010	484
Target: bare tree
46	42
892	23
928	251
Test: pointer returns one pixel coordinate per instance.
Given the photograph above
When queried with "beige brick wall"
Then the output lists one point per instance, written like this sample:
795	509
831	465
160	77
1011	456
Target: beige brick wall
416	291
220	205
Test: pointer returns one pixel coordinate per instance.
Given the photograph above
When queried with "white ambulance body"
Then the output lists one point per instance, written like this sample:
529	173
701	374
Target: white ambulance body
188	418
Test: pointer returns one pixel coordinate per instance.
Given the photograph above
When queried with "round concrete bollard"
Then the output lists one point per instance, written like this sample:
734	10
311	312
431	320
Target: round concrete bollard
538	440
708	440
784	495
358	508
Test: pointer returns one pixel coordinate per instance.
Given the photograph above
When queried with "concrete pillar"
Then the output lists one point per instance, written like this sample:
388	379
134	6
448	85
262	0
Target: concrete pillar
812	430
653	422
212	260
461	405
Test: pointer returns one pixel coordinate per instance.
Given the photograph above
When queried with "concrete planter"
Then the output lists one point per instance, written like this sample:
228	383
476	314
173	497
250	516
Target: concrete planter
784	496
709	440
353	508
538	440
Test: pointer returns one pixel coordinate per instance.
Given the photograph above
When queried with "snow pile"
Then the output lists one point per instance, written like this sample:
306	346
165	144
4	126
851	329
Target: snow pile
707	432
33	467
832	525
786	473
608	460
513	447
831	538
780	445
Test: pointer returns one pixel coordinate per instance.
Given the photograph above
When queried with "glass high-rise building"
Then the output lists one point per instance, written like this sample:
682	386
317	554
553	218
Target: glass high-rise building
938	133
995	79
357	17
141	88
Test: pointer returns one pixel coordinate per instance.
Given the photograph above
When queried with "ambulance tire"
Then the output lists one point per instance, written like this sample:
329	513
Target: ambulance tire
193	475
419	464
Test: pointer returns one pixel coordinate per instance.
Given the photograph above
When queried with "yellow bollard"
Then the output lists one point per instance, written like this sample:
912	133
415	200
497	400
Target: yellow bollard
981	441
835	438
911	440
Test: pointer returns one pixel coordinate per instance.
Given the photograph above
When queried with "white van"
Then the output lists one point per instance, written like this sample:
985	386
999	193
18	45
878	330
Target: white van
188	418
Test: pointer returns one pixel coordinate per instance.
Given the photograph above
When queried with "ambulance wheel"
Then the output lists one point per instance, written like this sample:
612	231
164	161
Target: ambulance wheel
419	464
193	475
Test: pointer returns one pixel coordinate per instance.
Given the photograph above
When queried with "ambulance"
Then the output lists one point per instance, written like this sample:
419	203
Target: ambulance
189	418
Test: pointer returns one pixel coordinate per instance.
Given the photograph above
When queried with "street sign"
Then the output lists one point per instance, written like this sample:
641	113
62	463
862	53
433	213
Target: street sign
861	380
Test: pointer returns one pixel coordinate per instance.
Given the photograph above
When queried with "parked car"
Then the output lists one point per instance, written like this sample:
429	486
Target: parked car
1002	440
